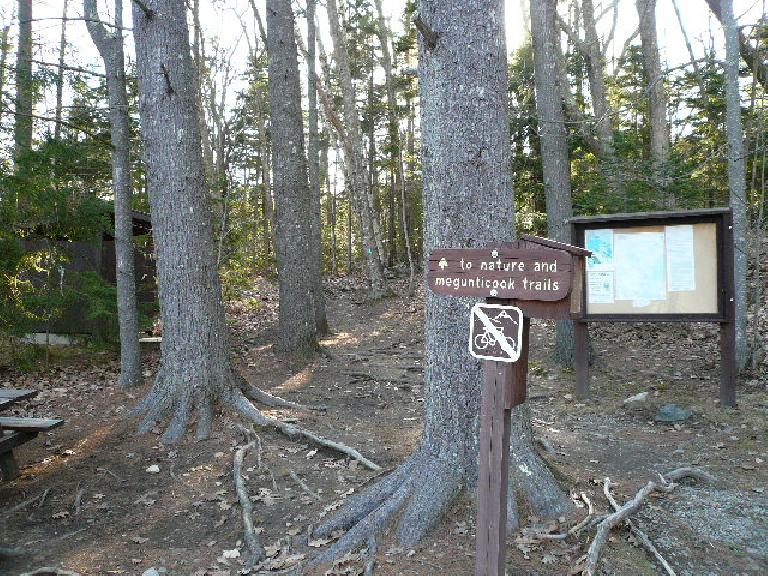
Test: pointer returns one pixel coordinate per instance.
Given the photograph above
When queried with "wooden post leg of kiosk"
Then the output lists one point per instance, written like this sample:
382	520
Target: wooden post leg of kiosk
728	363
581	357
504	387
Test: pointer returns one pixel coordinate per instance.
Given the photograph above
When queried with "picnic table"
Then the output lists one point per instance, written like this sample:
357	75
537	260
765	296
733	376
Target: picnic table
15	431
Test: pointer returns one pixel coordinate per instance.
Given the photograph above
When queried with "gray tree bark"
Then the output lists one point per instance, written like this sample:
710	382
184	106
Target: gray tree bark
599	94
556	165
393	123
194	363
195	369
316	242
296	320
110	47
736	174
657	100
22	128
753	56
468	202
198	56
353	151
60	74
4	49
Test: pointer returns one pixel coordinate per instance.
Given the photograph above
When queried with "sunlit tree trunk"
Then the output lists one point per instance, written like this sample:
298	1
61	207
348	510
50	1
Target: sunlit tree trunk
353	151
194	363
296	320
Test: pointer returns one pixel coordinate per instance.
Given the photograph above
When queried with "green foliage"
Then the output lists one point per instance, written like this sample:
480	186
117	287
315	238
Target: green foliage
696	171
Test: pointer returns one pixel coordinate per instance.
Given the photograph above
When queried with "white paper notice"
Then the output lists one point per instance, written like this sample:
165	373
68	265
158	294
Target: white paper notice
681	274
600	243
639	260
600	287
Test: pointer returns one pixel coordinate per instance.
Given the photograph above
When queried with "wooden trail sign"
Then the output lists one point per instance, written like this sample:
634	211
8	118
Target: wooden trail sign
501	272
530	278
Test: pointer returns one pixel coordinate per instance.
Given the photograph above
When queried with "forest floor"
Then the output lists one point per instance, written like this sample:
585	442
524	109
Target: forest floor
111	502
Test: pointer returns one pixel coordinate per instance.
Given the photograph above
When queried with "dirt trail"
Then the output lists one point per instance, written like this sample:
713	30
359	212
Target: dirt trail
185	518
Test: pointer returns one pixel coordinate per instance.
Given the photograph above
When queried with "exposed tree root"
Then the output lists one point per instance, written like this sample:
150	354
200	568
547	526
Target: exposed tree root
256	551
365	528
436	484
161	400
10	552
307	490
268	399
530	476
667	484
372	549
244	407
423	487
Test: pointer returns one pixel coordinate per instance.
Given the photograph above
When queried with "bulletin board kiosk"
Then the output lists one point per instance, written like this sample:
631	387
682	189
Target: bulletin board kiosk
658	267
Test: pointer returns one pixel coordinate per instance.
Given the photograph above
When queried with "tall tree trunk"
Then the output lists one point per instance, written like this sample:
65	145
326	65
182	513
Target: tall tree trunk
5	47
60	74
468	202
194	363
392	116
316	239
266	181
198	56
556	166
296	320
736	174
599	96
657	100
110	47
330	204
406	227
22	129
373	175
353	146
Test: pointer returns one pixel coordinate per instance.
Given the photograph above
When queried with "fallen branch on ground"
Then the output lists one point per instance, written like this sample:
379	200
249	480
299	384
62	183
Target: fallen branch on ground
587	522
9	552
667	484
639	534
256	551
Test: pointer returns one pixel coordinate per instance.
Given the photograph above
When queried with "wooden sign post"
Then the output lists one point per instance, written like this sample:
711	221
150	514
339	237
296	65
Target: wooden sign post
531	278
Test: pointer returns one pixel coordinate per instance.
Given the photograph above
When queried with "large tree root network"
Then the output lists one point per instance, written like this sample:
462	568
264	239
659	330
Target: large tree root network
170	396
420	490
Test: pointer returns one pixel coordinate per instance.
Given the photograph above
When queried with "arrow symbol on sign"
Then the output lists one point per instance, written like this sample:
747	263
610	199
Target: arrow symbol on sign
443	263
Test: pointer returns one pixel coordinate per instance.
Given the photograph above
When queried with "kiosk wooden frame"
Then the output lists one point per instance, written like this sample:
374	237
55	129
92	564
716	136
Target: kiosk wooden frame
724	315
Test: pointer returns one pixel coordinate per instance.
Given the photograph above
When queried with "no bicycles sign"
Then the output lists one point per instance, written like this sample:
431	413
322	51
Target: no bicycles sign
496	332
